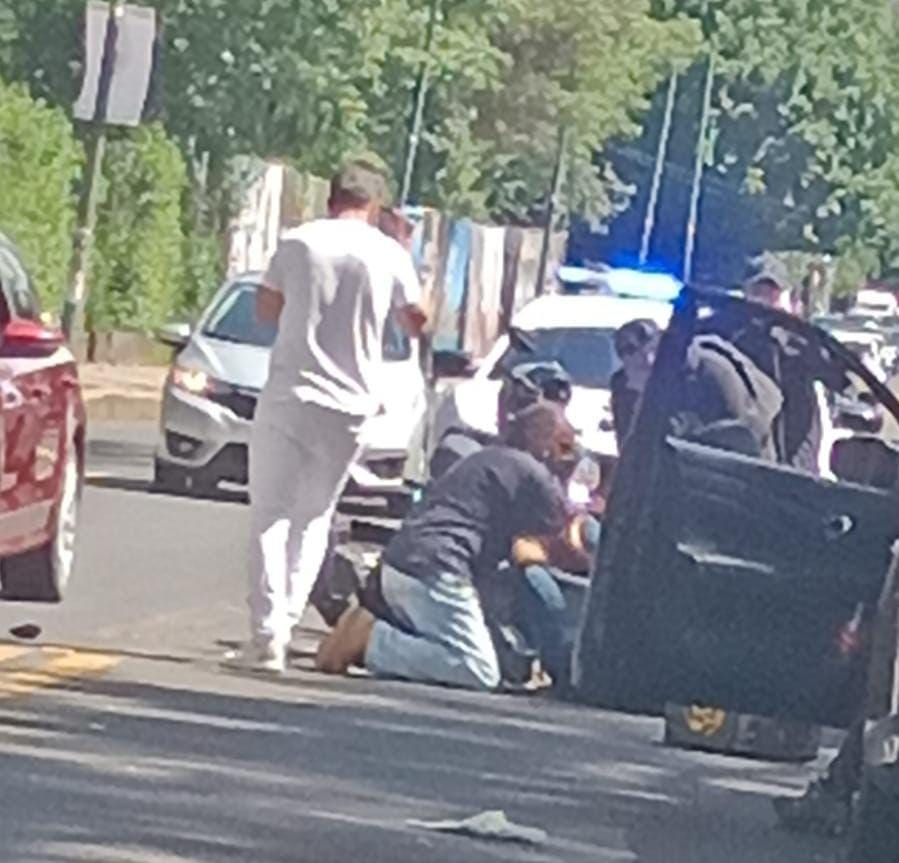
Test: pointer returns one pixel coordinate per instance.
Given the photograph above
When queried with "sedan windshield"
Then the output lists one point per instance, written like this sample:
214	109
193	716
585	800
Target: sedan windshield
234	319
587	354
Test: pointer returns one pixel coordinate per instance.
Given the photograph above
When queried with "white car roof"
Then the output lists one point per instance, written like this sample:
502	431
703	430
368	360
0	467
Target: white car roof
858	337
588	311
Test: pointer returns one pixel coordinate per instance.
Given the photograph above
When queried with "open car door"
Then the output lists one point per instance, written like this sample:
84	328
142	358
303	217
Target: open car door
731	578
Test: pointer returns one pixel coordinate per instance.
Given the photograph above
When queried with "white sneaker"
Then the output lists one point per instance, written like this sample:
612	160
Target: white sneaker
264	657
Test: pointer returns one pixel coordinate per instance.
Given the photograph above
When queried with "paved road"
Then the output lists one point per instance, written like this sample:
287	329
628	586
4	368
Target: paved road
123	741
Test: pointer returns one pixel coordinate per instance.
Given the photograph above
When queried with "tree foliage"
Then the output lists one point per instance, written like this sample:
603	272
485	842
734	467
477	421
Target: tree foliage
139	252
40	161
807	112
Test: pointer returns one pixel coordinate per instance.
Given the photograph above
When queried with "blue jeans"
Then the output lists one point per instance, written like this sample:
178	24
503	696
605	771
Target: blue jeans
547	615
445	638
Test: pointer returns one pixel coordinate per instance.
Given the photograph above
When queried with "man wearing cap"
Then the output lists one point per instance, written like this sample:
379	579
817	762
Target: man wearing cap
330	286
803	423
635	343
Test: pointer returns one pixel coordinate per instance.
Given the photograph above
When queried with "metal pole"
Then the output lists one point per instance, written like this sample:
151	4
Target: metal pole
73	311
661	155
692	222
421	92
551	205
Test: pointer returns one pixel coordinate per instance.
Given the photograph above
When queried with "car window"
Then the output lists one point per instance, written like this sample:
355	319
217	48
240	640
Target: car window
587	354
17	291
233	319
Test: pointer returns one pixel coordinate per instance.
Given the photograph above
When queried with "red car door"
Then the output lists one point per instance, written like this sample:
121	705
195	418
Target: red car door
33	395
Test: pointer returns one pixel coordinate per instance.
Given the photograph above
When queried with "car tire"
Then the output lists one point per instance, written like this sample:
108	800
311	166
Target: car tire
43	574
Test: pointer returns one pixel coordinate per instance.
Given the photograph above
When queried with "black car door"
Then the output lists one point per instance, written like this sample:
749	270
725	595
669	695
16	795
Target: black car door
731	580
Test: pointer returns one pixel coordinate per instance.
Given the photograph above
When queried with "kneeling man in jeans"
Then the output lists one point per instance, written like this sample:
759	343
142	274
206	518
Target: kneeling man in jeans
466	525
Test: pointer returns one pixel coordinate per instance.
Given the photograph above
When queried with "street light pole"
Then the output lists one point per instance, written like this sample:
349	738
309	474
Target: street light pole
551	205
701	143
73	311
658	173
421	92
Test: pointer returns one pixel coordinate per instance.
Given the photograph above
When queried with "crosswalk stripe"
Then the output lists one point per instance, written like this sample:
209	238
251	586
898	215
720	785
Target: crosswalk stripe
63	666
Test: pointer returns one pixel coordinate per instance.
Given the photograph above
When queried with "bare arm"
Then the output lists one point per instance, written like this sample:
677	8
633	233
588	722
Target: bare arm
269	304
566	550
413	319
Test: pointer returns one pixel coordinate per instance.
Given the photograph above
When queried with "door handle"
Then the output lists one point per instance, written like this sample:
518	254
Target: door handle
838	526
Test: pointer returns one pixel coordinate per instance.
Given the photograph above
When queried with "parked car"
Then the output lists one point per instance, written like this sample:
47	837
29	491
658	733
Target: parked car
211	392
738	583
42	439
577	331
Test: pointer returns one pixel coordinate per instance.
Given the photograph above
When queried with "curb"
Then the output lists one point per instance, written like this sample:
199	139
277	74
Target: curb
114	408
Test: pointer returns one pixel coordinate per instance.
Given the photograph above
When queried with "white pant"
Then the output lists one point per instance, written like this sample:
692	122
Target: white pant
451	643
295	481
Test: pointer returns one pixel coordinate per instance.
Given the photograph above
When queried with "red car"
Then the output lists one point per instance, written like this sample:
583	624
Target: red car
42	435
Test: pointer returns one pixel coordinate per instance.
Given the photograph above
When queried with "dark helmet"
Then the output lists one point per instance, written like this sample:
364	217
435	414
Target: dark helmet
529	383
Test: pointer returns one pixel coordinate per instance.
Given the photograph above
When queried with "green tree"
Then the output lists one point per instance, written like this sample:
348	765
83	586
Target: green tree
508	77
807	112
40	162
138	262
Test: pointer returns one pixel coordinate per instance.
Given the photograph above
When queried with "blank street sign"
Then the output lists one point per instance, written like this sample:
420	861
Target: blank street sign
132	68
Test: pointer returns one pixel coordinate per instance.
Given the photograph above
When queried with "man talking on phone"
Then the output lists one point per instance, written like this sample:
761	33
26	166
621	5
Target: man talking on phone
330	287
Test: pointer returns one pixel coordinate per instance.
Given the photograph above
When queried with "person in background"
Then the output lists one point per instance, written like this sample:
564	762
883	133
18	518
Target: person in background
468	522
802	427
636	344
329	287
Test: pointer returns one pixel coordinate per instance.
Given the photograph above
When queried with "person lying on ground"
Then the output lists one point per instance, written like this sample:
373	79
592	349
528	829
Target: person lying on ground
431	571
528	608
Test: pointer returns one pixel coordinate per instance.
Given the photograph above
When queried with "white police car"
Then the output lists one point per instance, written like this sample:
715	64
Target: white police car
575	328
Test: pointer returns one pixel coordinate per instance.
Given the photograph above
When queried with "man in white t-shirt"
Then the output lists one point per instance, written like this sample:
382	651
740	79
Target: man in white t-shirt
330	286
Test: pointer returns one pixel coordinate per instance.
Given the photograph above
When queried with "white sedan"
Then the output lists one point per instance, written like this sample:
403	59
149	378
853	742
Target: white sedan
577	331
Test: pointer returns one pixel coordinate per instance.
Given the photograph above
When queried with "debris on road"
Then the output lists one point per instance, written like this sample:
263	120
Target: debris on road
487	825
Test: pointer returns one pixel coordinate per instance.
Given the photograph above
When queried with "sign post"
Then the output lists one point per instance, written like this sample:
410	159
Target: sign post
120	43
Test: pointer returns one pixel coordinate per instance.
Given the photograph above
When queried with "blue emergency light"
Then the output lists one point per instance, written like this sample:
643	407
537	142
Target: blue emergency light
623	282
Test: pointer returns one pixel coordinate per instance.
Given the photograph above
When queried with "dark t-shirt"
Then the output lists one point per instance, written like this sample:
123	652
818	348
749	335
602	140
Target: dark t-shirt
469	518
625	401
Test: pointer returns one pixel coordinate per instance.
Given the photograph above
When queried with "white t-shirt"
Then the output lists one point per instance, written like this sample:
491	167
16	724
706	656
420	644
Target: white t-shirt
339	278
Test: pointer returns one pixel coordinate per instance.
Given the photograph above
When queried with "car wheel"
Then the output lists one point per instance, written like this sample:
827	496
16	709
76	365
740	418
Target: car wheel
43	574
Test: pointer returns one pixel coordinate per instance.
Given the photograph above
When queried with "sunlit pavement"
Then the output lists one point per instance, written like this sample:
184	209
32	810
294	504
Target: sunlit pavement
123	739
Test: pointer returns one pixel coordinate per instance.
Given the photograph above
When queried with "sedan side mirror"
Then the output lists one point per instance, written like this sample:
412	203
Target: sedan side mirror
23	337
174	335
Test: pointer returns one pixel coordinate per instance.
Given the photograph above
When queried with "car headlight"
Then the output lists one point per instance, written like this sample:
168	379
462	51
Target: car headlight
192	381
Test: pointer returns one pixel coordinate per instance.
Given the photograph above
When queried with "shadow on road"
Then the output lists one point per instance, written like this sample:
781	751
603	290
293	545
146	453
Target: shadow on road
313	770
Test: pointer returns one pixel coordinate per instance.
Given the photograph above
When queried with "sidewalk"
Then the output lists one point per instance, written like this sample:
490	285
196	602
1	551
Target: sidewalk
122	393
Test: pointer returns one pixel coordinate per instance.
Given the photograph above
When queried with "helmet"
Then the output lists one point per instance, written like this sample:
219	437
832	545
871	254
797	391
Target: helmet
529	383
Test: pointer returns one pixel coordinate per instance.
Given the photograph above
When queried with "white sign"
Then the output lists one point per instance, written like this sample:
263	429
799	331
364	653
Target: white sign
132	65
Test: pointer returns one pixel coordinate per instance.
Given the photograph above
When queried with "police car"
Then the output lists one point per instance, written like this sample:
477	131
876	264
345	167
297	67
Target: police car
575	328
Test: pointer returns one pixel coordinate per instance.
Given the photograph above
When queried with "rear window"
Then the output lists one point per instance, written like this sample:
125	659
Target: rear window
587	354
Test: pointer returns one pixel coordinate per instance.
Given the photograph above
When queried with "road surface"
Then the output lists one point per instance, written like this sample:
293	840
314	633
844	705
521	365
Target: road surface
123	740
